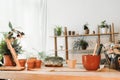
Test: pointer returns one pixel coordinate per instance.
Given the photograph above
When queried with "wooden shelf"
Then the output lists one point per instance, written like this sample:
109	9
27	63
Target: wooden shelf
88	50
83	35
81	51
98	35
58	50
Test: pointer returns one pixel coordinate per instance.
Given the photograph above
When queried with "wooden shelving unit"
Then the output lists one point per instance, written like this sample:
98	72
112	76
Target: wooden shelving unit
111	38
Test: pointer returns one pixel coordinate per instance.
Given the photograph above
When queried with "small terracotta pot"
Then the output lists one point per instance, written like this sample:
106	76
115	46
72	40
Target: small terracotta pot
84	47
38	63
71	63
7	60
69	32
91	62
73	32
32	59
22	62
87	31
31	63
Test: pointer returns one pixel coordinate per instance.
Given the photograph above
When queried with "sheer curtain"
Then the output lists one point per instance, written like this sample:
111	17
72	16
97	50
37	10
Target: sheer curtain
28	16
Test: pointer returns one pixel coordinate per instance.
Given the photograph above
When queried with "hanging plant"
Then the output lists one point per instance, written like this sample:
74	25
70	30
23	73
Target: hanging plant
80	43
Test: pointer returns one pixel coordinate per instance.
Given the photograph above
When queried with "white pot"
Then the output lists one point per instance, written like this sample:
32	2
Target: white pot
103	30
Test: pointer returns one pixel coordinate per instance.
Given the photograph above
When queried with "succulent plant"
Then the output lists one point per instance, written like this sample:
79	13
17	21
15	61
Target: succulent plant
53	61
104	24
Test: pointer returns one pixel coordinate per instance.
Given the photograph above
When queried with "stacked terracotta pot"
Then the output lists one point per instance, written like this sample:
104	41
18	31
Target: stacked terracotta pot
33	63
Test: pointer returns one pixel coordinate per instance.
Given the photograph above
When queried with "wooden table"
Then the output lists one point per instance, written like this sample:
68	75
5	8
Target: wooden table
40	74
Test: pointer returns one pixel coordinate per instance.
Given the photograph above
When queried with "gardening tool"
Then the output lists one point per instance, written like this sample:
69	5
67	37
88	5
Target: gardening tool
113	60
99	49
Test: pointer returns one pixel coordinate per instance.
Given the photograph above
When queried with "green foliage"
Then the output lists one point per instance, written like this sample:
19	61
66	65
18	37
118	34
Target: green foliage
17	47
76	45
3	48
79	43
41	55
54	59
104	24
58	30
13	31
10	25
15	44
85	26
83	43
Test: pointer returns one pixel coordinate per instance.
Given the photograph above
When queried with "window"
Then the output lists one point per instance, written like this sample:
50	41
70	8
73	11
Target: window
28	16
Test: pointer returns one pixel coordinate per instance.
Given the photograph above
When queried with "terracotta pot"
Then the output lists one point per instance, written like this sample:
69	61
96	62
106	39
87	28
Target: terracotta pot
73	32
69	32
22	62
87	31
84	47
38	63
71	63
91	62
31	63
32	59
7	60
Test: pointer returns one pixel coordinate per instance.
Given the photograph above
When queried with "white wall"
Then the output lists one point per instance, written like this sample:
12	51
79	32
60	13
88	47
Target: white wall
28	16
75	13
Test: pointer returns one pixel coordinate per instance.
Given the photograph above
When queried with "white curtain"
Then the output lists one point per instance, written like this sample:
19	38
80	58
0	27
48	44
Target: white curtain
28	16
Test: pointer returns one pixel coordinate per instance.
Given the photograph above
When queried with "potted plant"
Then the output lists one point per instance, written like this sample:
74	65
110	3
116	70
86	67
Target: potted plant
5	52
86	28
83	44
58	30
14	43
80	43
53	61
104	26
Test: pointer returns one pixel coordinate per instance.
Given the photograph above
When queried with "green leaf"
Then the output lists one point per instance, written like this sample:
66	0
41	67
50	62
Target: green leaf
10	25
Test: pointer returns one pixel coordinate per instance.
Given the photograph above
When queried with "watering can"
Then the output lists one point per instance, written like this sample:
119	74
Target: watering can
113	60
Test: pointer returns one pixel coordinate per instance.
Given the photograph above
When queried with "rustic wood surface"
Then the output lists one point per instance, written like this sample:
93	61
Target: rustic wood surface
64	73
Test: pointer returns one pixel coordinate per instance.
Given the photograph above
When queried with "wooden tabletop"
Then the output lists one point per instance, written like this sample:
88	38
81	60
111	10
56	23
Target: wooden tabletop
63	73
